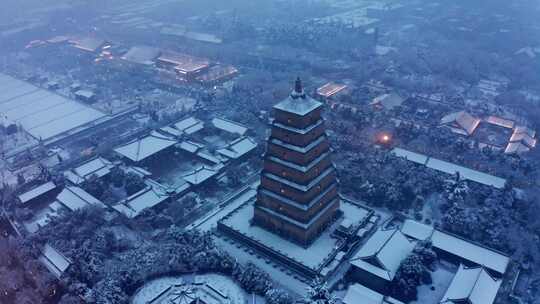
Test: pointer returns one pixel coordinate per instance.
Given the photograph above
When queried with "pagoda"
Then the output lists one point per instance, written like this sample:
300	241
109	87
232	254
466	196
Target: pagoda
298	195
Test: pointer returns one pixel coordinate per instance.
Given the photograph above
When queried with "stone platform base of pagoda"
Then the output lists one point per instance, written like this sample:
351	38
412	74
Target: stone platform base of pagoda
319	259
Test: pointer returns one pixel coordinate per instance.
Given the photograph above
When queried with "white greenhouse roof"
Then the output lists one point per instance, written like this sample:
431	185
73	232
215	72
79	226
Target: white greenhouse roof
229	126
472	285
146	146
36	192
41	113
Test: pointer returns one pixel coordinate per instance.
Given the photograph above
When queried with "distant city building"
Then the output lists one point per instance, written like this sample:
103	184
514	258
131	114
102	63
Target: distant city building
298	194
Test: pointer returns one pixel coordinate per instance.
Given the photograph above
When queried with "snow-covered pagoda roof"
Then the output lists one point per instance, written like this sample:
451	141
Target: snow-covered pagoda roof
472	285
298	102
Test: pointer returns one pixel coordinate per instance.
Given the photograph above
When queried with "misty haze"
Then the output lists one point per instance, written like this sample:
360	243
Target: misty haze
269	152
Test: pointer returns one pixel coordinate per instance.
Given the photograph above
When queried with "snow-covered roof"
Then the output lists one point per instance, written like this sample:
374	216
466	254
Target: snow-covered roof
417	230
85	94
383	253
229	126
457	246
238	148
298	106
189	125
470	251
98	167
330	89
36	192
190	146
200	175
75	198
146	146
171	131
501	122
516	147
524	138
41	113
466	173
472	285
142	54
53	260
136	203
388	101
359	294
525	130
411	156
462	122
88	44
183	62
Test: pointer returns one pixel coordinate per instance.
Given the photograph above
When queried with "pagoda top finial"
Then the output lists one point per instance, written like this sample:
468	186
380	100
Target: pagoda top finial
298	85
298	89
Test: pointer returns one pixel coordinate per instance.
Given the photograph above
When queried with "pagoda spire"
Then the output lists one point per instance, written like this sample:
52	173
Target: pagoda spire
298	89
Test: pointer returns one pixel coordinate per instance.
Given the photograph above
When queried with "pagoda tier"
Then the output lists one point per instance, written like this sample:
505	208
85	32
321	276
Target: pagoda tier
298	194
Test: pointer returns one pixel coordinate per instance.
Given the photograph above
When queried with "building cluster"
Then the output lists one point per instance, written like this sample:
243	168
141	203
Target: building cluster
494	132
168	66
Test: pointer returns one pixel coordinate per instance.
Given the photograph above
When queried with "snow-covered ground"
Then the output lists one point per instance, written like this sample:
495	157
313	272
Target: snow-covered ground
151	289
209	221
442	277
223	284
283	277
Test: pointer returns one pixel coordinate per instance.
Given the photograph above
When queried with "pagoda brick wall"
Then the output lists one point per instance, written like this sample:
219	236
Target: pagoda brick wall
298	196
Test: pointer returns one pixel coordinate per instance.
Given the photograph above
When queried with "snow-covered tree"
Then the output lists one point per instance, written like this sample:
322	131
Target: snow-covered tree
318	293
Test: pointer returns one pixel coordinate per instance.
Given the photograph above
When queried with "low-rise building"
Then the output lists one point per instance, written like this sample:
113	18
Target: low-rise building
472	285
376	263
461	123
